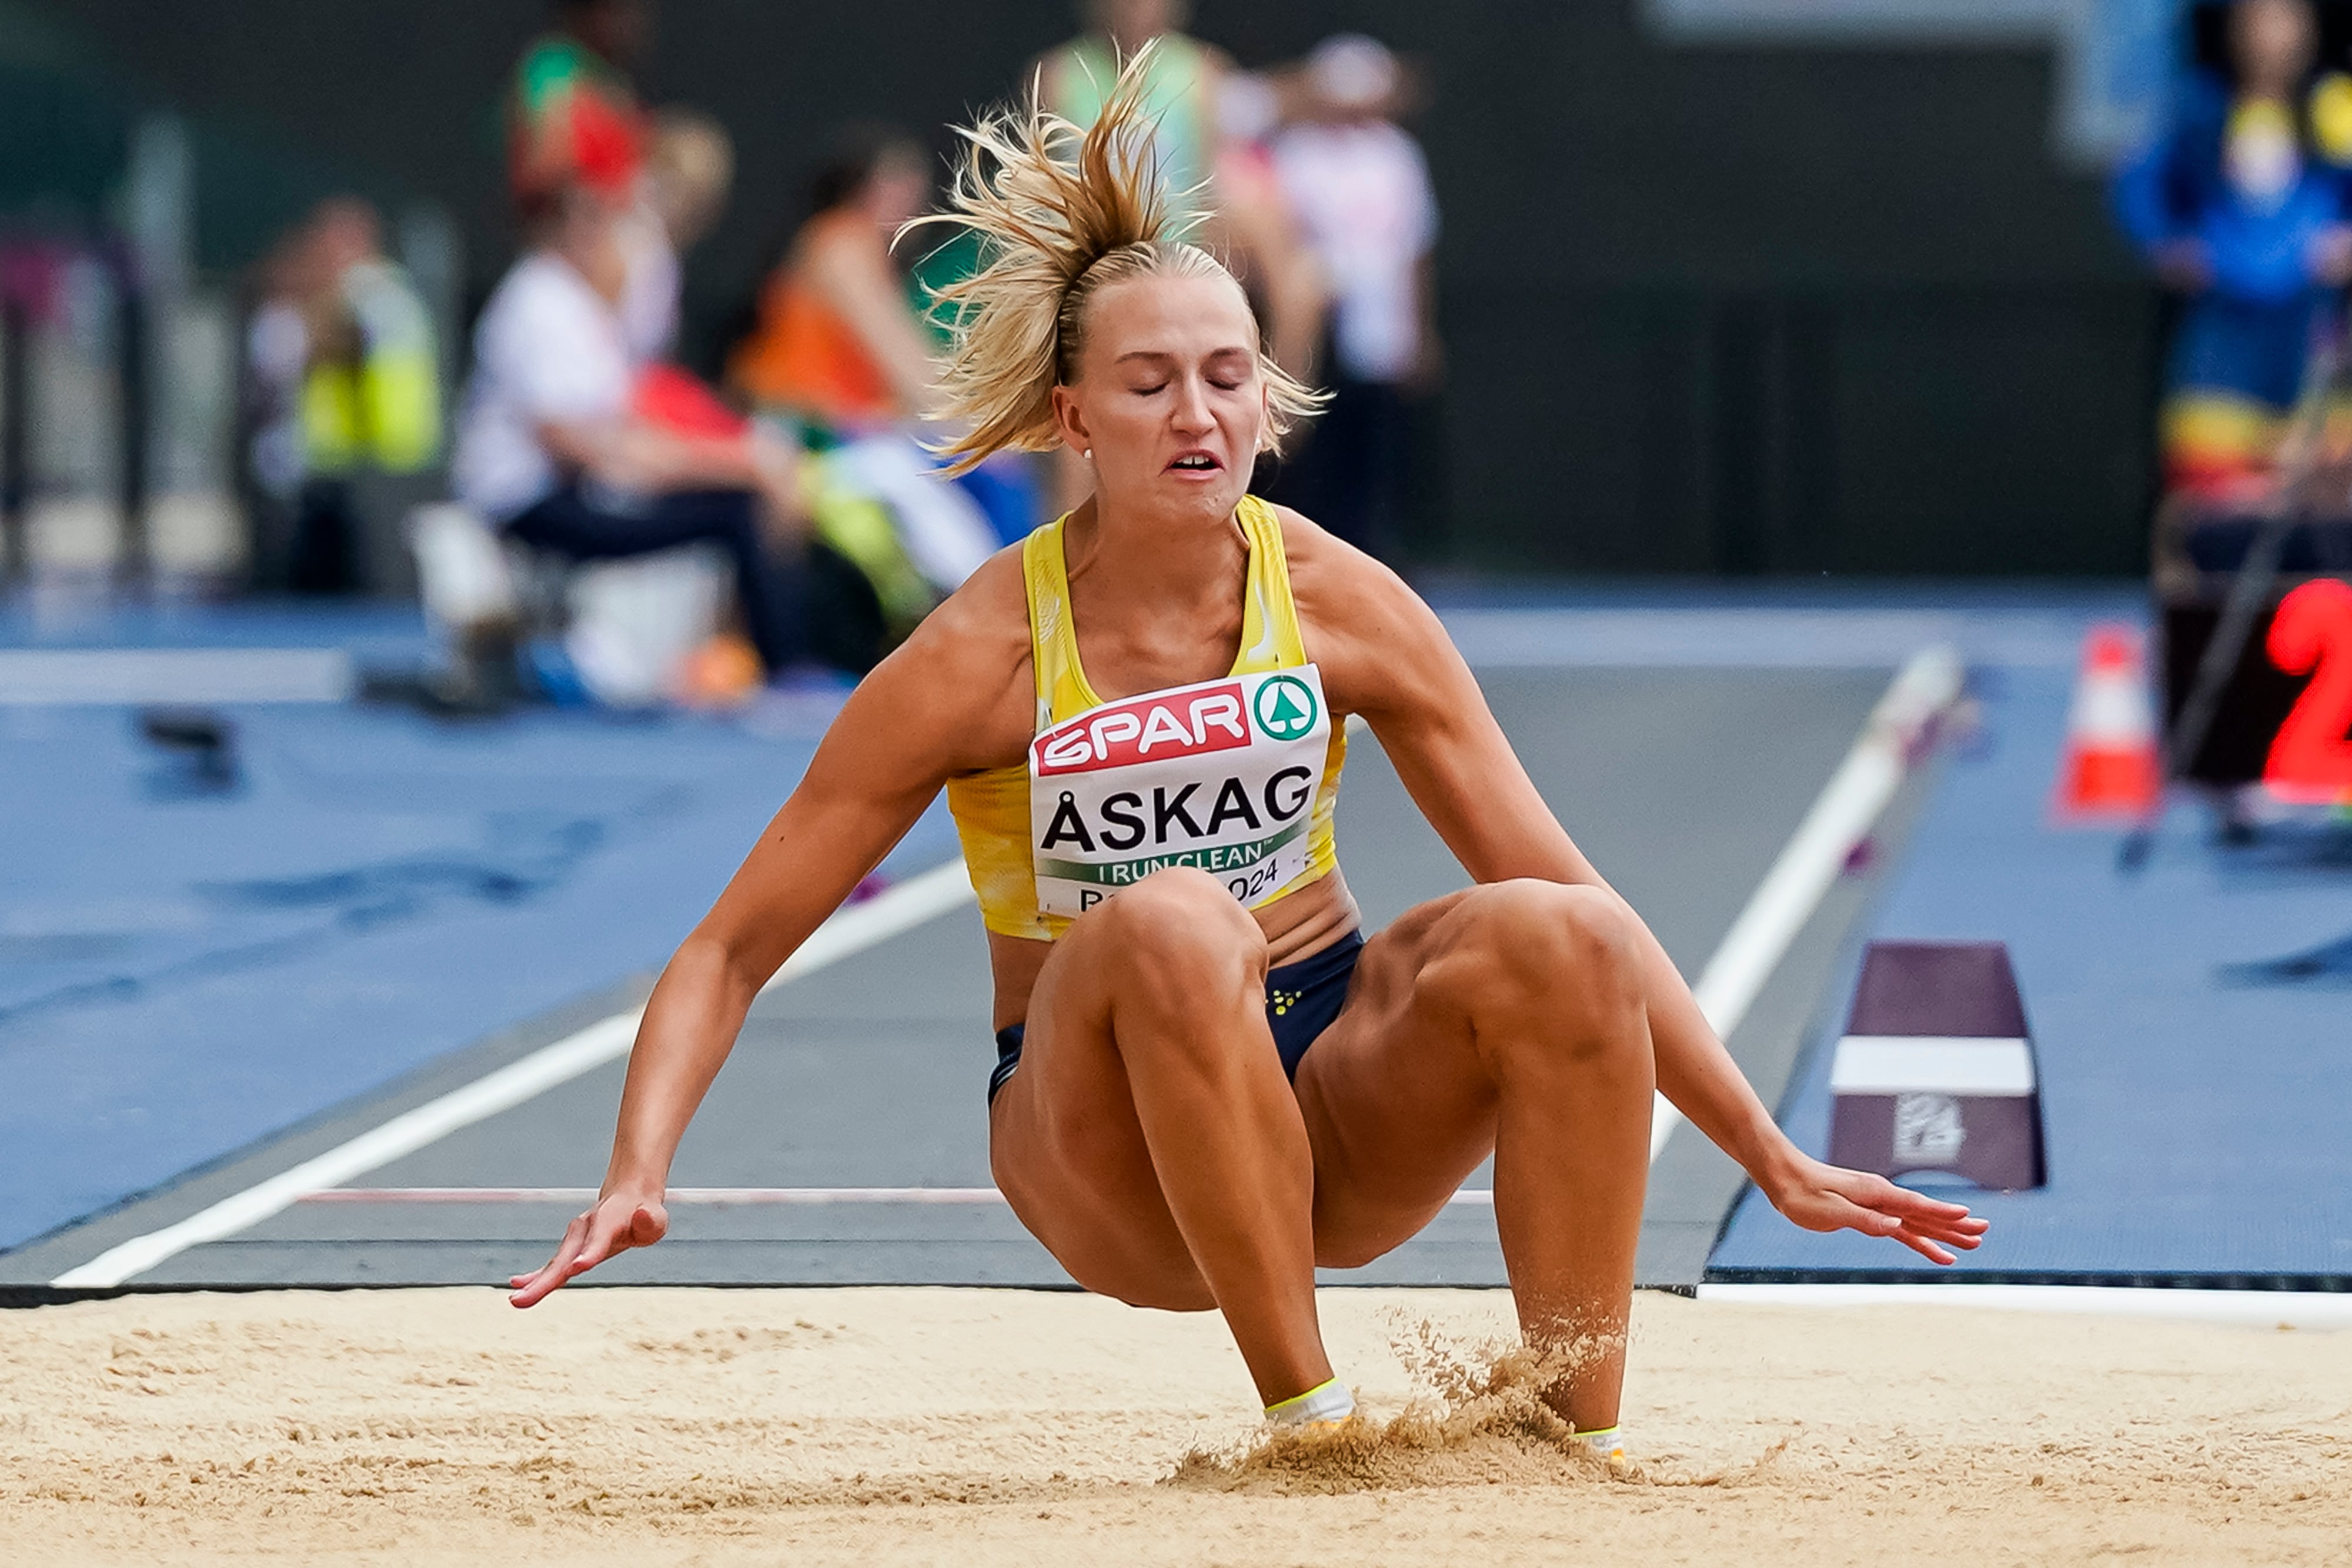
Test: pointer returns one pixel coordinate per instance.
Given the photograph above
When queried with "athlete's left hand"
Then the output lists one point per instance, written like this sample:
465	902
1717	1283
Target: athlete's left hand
1819	1197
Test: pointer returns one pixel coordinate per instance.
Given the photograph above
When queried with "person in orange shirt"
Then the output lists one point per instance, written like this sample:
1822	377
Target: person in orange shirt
841	352
838	345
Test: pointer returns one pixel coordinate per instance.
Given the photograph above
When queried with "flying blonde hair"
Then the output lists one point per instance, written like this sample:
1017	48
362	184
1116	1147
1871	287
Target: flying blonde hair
1062	212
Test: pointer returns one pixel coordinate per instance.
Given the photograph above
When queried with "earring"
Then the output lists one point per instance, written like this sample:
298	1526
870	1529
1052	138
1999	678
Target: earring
1088	453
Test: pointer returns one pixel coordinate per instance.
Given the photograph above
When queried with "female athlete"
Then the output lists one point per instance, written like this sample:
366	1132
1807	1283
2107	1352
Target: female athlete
1208	1083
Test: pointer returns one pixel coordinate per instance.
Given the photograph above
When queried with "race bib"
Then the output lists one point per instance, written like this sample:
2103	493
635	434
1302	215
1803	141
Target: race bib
1222	775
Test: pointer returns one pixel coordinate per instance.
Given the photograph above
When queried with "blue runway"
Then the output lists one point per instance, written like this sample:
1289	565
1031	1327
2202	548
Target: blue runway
2195	1112
193	985
182	974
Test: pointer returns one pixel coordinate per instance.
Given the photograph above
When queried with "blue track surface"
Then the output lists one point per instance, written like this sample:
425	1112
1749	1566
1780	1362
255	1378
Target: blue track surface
2196	1121
371	631
182	974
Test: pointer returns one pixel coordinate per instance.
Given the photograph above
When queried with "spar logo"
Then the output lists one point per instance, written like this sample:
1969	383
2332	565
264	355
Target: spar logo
1285	707
1190	721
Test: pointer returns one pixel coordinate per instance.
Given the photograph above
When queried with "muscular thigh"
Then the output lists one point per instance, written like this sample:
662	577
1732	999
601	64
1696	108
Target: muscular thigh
1067	1151
1398	1107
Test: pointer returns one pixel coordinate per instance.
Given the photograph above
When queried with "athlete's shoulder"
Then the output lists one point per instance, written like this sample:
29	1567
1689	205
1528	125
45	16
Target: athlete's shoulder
990	614
1331	578
1359	621
960	685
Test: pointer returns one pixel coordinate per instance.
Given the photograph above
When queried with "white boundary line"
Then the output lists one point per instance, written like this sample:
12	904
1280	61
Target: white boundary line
676	1197
2268	1309
851	930
719	1196
1841	816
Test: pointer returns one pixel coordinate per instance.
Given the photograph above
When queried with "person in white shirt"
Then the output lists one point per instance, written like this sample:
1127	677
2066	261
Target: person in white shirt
1360	190
551	449
689	169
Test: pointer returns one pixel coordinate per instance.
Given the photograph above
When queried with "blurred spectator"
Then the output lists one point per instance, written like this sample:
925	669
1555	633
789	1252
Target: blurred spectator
2239	205
1006	486
1266	247
689	169
842	354
1181	87
572	114
552	450
838	344
341	357
1360	188
277	352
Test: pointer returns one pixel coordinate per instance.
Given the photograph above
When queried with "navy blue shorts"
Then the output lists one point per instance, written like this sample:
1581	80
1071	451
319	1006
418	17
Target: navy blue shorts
1301	1000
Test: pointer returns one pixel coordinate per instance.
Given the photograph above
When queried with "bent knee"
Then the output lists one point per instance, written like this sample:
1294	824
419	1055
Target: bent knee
1557	955
1173	947
1184	894
1550	932
1180	917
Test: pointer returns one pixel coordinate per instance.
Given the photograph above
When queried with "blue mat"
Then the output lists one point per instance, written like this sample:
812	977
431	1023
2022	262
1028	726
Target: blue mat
2194	1093
182	973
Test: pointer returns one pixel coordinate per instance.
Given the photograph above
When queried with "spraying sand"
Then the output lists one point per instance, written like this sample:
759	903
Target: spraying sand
659	1426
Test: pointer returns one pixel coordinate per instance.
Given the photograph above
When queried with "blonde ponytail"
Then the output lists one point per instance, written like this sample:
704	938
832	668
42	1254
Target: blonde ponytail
1060	212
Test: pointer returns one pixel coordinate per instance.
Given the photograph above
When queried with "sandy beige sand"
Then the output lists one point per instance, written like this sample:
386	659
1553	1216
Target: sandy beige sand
881	1427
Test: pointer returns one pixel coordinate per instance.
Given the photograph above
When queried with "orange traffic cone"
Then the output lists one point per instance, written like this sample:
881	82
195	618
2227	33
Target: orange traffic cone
2112	768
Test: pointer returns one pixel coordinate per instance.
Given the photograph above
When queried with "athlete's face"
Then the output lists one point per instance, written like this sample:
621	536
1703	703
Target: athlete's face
1167	396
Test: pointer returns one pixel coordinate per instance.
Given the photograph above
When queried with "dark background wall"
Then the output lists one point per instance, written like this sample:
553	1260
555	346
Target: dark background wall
1715	308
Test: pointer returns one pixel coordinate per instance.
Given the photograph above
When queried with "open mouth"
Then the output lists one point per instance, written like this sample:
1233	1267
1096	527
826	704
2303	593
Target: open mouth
1195	463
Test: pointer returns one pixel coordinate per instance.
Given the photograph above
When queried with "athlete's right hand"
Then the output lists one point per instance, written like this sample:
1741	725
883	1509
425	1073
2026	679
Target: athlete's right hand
619	1221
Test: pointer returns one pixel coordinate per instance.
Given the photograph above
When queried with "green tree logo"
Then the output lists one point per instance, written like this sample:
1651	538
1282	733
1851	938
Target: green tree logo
1285	707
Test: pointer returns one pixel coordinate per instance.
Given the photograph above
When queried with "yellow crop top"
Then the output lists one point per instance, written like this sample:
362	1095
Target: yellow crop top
992	808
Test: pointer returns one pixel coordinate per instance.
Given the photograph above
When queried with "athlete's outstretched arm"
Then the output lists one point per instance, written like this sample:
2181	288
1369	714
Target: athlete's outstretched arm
918	719
1385	656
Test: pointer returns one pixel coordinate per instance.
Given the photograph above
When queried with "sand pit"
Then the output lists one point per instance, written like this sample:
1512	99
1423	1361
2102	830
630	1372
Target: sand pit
757	1427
